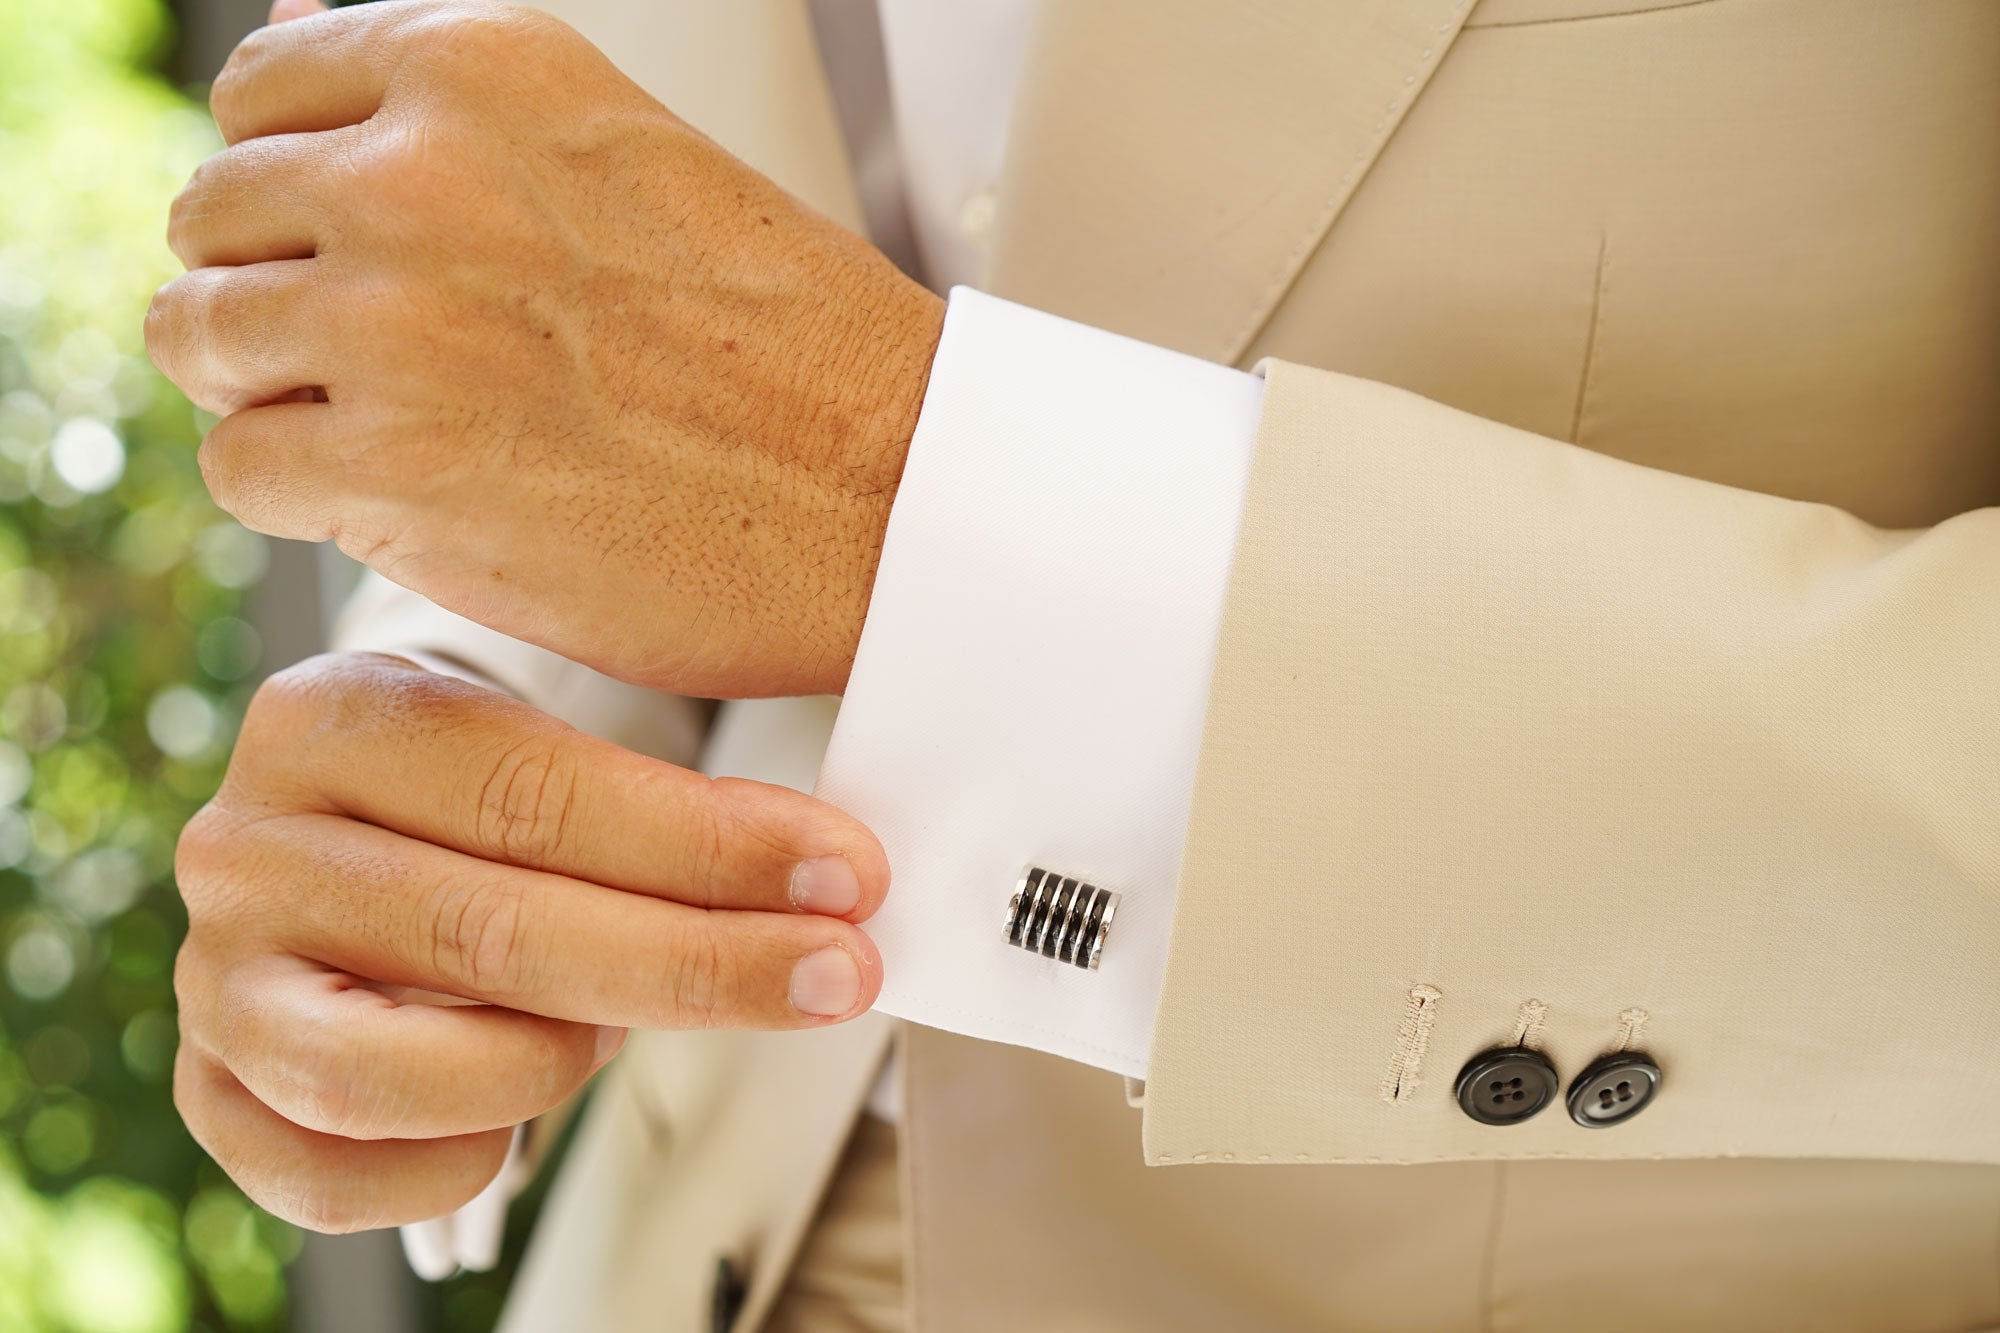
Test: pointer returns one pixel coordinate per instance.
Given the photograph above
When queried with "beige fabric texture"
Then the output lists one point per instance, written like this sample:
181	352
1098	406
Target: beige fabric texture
1614	628
848	1275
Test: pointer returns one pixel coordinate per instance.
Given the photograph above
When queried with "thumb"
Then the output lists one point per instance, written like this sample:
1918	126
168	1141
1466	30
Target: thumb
295	9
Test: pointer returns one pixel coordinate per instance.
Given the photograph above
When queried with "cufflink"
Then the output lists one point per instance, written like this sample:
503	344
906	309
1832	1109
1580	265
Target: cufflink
1060	917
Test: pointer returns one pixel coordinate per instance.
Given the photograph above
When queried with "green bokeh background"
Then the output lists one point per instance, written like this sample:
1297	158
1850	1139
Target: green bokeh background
124	664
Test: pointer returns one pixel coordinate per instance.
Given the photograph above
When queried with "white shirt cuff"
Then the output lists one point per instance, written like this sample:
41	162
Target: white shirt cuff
1032	680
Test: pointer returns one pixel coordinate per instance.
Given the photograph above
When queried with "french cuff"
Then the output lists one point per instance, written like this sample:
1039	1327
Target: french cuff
1031	683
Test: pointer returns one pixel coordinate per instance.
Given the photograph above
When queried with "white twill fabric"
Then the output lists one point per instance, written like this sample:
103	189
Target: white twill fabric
1031	682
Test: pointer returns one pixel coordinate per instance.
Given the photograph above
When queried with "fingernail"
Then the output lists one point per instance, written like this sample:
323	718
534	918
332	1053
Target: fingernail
826	983
827	885
609	1042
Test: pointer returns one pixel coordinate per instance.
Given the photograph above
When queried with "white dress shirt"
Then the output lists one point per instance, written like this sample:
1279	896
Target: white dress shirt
1031	683
1033	676
952	73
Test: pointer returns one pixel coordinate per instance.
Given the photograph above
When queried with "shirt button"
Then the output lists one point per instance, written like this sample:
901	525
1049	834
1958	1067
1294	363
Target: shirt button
1506	1086
1613	1090
975	216
726	1297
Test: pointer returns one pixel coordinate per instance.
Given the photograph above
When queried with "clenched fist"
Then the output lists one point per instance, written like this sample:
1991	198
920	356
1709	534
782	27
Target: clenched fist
384	832
476	308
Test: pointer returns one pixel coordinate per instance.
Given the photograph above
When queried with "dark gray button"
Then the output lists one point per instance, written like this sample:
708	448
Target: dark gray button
1506	1086
1613	1089
725	1300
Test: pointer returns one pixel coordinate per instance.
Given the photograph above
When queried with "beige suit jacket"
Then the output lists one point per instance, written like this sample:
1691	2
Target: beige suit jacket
1612	659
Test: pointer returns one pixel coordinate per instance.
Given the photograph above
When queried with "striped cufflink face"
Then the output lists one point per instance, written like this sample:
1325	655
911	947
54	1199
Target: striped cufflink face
1060	917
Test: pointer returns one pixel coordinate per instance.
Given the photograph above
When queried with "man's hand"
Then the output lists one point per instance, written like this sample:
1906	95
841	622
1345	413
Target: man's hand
384	828
477	309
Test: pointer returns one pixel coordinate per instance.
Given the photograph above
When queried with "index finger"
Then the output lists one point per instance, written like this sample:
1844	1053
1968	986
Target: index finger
318	71
433	758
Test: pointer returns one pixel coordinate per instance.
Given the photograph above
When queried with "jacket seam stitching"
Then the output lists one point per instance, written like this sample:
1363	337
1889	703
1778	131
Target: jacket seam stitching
1413	1040
1640	12
1588	377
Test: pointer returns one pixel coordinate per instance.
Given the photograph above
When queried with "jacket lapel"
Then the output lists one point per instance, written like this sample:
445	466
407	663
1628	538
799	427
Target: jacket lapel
1174	163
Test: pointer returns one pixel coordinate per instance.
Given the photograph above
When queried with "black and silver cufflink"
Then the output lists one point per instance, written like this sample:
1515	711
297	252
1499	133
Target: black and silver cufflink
1060	917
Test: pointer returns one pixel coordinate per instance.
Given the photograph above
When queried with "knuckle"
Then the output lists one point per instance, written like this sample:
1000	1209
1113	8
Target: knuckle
416	172
327	1090
387	162
464	44
196	1076
219	473
245	471
243	468
301	1192
225	94
201	858
702	982
285	703
169	332
289	712
190	1107
195	1100
160	314
527	801
251	478
191	984
226	90
190	204
704	835
336	694
312	1076
184	322
158	323
325	686
321	1201
479	938
489	29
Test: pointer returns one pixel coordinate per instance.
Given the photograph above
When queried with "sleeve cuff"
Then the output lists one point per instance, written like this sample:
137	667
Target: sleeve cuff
1032	680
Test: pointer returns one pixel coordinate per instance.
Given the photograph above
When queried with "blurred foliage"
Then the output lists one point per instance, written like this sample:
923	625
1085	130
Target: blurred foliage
124	662
121	660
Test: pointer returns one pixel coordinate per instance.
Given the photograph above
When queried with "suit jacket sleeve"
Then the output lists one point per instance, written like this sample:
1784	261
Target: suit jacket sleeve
1513	743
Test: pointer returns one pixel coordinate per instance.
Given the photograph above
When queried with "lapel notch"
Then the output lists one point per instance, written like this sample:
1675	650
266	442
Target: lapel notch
1175	163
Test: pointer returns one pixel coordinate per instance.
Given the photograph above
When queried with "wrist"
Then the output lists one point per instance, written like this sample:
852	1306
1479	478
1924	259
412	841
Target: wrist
887	369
